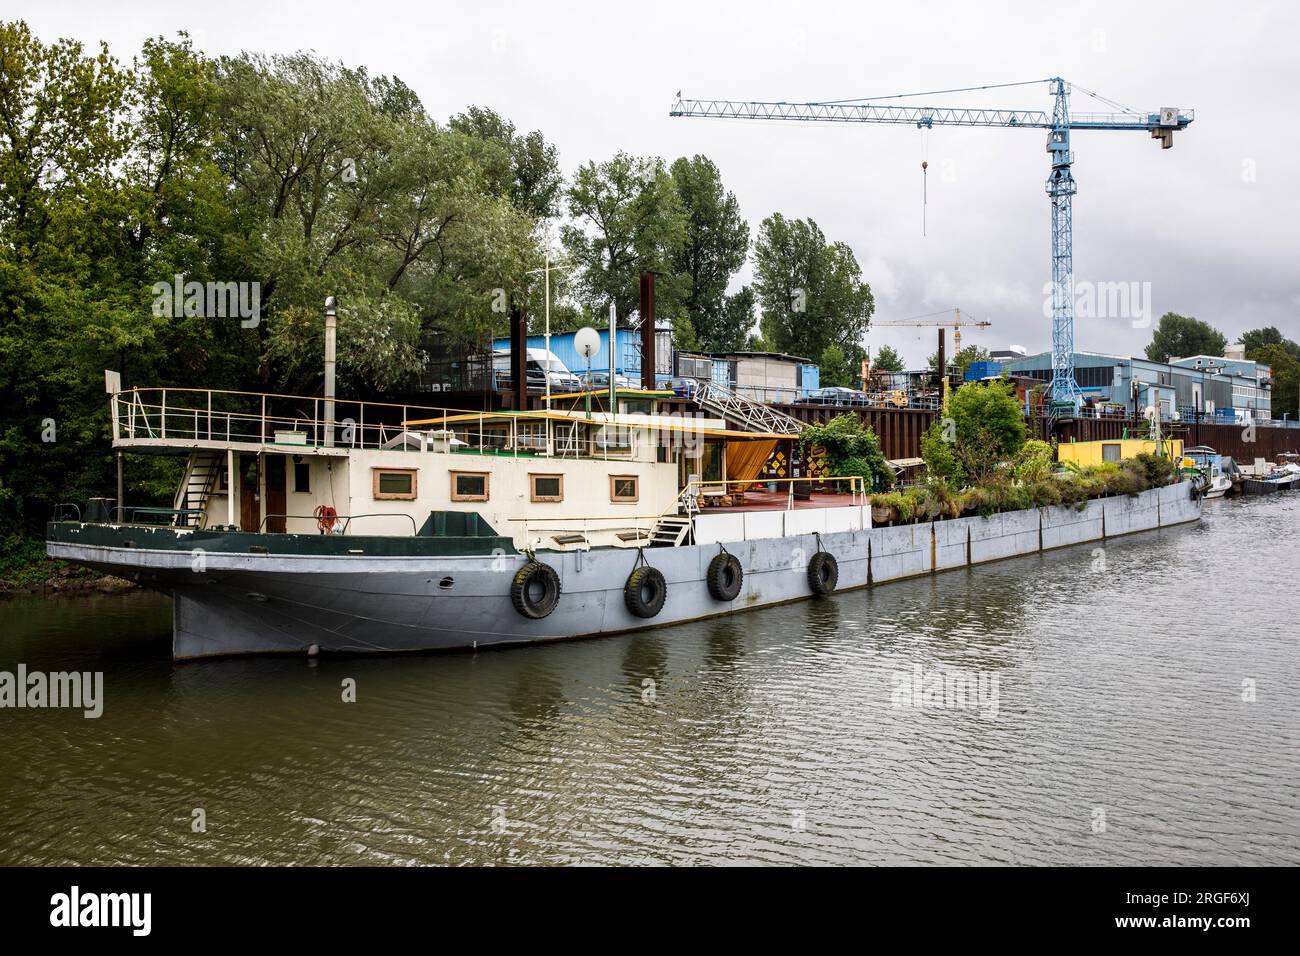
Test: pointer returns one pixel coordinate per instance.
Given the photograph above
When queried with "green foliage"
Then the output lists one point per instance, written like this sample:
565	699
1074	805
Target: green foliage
526	171
1258	338
1284	358
938	499
888	360
298	174
940	456
810	292
909	504
989	427
1033	463
851	449
835	368
941	499
714	248
1156	470
1181	336
628	219
963	359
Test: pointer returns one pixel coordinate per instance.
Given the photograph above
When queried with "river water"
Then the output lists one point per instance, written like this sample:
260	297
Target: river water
1139	706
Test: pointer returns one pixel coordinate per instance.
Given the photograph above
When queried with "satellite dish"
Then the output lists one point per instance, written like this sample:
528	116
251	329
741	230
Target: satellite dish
587	342
1150	412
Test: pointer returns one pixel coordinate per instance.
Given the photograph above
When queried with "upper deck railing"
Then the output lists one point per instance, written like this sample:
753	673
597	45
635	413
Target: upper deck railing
217	419
189	415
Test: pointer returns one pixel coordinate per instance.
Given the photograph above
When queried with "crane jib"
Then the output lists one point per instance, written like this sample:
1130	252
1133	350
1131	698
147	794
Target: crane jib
921	115
1161	124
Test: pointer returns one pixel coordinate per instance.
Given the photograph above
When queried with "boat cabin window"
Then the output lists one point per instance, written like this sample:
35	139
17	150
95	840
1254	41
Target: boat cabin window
531	436
469	486
301	477
546	487
624	488
614	439
394	484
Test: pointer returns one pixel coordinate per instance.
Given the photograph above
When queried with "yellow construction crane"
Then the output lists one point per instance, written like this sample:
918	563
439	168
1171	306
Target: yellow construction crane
932	319
955	323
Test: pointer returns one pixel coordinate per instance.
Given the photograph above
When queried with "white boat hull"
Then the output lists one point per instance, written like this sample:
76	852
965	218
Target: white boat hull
235	602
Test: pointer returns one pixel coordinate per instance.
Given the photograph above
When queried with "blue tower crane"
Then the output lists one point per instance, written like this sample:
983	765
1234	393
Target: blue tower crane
1060	183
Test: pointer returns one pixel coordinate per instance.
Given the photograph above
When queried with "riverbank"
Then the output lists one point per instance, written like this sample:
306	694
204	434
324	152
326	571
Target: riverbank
26	569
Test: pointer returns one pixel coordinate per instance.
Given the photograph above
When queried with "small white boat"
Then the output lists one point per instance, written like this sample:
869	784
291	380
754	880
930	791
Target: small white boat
1211	465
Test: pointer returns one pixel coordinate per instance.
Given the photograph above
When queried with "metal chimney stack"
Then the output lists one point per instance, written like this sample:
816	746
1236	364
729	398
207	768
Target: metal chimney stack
648	330
331	343
519	356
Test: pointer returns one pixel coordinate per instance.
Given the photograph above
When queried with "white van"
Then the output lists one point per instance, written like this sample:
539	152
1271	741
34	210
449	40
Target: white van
539	361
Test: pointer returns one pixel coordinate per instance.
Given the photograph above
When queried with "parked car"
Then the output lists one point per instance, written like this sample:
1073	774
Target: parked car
599	381
562	380
683	387
837	395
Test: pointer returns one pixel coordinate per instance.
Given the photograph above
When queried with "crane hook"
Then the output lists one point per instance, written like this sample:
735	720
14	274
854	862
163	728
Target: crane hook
925	199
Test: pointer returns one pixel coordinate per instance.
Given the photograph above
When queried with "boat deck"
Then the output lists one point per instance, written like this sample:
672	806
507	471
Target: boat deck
780	501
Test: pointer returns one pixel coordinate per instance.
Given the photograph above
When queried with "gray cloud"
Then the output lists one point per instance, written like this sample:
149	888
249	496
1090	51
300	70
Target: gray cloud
596	78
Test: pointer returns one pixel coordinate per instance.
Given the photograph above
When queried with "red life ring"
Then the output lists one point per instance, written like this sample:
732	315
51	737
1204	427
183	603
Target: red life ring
325	518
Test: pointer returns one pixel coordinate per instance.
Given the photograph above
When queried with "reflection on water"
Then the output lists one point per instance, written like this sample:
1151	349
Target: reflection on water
1121	733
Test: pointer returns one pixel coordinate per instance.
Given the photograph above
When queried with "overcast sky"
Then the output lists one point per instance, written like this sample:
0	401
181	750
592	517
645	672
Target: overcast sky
1209	224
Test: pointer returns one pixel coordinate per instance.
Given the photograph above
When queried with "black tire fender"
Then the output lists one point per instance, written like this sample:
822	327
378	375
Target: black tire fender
823	573
535	590
724	577
645	591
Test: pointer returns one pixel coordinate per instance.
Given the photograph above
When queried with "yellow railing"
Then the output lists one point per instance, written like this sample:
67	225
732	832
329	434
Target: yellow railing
705	487
581	524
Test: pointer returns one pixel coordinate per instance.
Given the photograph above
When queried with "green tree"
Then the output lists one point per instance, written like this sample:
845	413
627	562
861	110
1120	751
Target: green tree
1258	338
940	456
963	359
64	308
1285	362
835	368
738	319
1181	336
527	169
810	293
851	449
988	427
888	360
715	245
300	175
1268	346
628	220
346	187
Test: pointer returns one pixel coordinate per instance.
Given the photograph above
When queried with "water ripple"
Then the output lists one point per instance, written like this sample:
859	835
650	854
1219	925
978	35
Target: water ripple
1120	735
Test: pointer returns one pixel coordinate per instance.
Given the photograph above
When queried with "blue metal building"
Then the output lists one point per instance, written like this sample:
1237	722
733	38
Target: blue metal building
1225	388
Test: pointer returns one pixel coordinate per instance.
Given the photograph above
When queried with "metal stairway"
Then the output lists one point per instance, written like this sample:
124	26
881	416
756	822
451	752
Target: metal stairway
670	531
743	413
200	479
